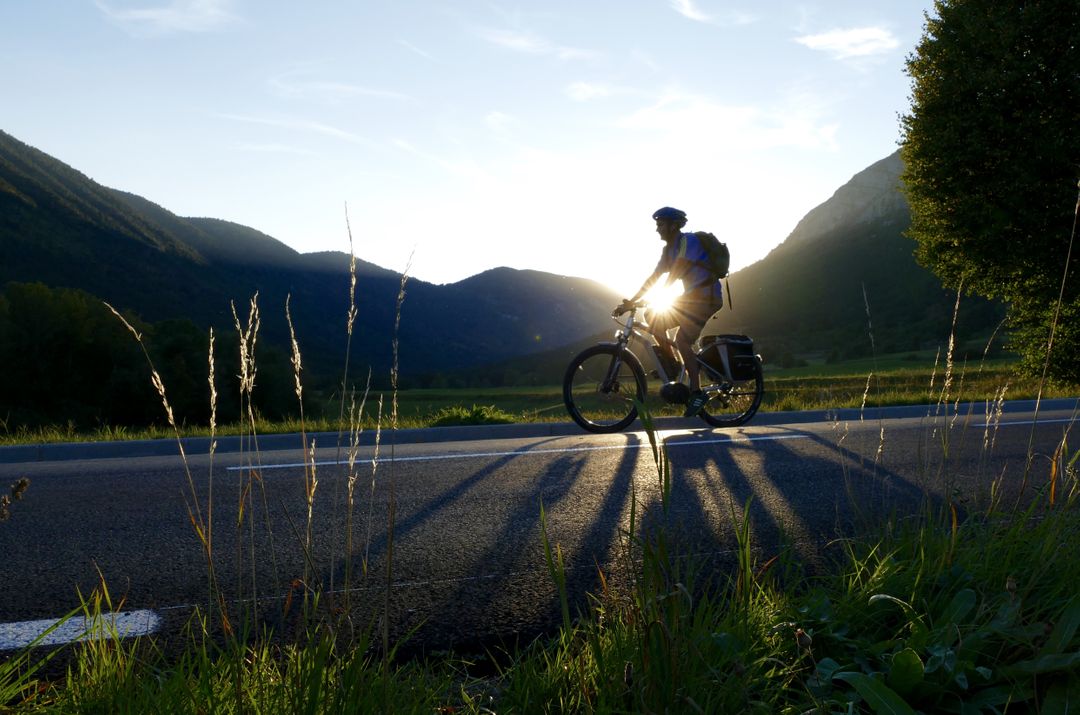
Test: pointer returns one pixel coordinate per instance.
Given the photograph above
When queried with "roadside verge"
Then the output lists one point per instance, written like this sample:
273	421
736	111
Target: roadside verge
62	451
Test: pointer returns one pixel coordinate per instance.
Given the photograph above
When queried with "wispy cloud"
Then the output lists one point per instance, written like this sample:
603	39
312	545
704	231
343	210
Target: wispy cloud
694	122
529	43
465	169
301	125
586	91
499	121
854	42
416	50
690	10
300	85
274	149
175	16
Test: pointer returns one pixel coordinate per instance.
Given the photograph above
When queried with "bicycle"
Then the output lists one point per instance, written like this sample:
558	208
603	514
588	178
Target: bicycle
604	384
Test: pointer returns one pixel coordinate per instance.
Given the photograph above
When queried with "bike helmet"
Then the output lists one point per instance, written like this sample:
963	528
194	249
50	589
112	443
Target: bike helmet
669	214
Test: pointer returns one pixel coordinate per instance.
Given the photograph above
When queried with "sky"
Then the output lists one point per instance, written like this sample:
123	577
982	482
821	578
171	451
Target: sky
455	136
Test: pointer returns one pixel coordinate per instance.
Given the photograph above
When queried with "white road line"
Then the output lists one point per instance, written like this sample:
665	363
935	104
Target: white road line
55	631
1024	423
528	452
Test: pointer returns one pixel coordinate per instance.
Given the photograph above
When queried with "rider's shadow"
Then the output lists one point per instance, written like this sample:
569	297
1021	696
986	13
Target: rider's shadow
583	523
799	496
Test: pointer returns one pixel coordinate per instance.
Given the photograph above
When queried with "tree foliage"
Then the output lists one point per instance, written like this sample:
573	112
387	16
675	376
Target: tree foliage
992	153
66	360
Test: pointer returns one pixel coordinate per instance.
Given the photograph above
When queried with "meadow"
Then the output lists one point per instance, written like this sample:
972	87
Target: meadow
902	379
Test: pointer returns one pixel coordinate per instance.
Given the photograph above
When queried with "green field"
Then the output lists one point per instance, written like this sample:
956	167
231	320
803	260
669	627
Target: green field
906	379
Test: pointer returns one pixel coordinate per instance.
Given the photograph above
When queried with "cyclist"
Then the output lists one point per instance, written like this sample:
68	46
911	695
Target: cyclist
683	258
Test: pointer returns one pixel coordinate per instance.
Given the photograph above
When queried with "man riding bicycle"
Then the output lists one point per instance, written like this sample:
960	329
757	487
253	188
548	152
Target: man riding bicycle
684	258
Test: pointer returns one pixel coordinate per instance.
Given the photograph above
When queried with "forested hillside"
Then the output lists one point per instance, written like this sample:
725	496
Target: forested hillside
848	272
60	228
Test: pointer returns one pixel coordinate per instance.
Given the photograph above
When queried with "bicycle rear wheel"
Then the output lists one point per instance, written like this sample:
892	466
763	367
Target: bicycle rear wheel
732	403
600	386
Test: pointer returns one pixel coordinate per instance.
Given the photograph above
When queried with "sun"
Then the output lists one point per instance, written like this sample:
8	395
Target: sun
662	296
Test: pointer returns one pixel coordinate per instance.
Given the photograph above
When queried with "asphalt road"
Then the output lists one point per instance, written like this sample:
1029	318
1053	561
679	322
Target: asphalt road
466	559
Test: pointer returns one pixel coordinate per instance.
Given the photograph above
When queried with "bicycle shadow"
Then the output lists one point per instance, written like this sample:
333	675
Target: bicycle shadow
800	494
519	601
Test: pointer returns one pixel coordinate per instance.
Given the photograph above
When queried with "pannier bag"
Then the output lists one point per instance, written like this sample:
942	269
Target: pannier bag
730	356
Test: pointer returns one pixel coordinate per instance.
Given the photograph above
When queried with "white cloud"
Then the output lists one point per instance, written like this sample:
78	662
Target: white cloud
532	44
584	91
176	16
273	149
692	125
294	85
499	121
301	125
416	50
690	10
687	9
463	169
853	42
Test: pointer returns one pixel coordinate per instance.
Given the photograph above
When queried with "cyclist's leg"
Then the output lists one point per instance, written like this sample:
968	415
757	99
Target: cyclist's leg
692	313
659	324
685	346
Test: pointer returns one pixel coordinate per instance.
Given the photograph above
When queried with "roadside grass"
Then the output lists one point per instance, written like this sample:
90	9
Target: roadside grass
931	613
895	382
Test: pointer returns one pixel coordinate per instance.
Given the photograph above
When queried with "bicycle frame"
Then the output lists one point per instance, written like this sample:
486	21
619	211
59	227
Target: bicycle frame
604	385
632	327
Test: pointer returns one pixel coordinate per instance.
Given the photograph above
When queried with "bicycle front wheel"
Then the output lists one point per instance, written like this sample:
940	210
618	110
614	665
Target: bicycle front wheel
600	387
733	403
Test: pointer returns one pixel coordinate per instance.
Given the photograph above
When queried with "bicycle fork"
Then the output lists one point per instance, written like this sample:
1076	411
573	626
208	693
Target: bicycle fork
611	378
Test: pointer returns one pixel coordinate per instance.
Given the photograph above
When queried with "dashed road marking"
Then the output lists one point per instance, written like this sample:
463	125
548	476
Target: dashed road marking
57	631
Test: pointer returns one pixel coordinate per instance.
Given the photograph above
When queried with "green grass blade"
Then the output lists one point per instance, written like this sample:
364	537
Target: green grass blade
880	697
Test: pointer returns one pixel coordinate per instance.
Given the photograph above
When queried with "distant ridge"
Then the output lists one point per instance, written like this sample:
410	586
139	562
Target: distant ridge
809	294
871	195
846	273
60	228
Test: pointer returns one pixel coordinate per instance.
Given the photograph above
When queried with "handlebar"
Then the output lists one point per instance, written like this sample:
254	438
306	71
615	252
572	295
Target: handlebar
627	306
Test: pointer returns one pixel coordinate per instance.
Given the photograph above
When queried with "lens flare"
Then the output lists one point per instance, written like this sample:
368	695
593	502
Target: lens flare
661	297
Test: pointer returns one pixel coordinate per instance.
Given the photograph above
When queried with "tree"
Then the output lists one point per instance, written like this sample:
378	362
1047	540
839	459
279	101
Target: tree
992	155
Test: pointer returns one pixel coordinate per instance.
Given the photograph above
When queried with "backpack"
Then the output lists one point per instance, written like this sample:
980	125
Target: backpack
719	260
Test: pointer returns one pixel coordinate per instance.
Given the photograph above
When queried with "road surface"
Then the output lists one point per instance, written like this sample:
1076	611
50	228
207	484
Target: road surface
467	563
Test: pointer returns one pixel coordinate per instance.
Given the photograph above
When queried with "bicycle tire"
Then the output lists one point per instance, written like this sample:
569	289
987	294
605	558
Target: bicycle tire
597	407
737	403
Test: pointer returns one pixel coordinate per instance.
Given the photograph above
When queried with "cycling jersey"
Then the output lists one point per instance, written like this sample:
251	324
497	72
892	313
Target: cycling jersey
687	259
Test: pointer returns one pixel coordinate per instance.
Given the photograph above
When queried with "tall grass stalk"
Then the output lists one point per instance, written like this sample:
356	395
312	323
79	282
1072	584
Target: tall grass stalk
346	389
391	511
371	499
1053	333
355	412
201	525
311	478
250	477
215	596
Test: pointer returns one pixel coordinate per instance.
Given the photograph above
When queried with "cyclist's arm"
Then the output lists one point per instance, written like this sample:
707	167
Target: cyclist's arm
662	267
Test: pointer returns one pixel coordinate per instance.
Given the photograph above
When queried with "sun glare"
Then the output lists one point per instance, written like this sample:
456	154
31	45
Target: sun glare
660	296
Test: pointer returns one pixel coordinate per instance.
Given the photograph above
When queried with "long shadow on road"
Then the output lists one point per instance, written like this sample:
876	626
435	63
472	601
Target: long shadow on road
511	595
801	492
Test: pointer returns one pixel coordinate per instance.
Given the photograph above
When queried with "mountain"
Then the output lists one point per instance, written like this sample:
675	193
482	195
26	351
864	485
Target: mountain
60	228
844	274
847	272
